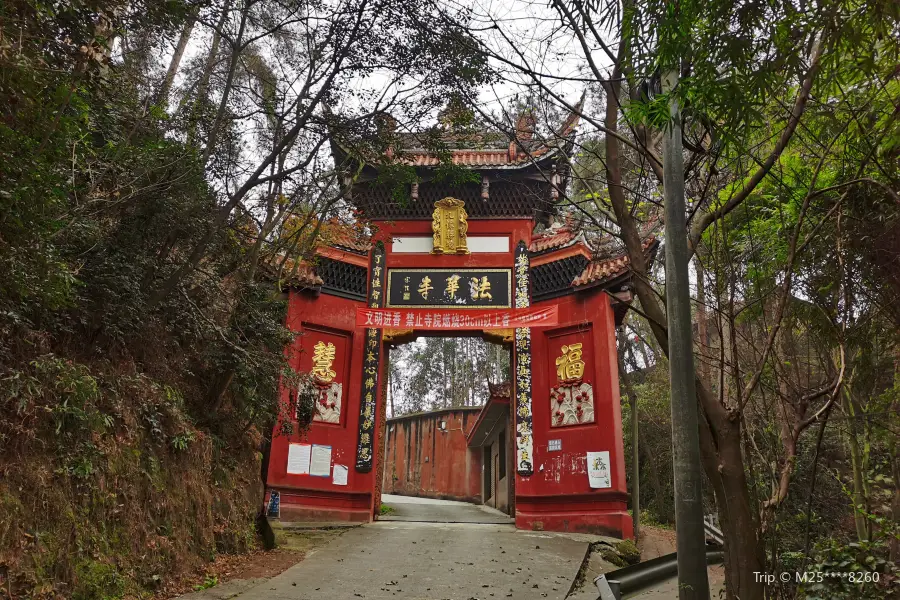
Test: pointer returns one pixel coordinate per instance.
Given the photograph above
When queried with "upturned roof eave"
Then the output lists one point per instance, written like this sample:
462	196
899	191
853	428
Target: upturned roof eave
620	277
531	158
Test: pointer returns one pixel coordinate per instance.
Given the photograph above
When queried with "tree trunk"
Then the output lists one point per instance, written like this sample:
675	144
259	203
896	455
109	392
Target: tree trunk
653	494
206	74
393	391
724	465
702	335
236	48
856	463
217	393
162	95
895	465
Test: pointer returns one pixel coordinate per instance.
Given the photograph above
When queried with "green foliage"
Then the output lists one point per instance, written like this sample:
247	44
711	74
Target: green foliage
182	441
651	388
651	520
737	58
142	336
106	473
444	372
765	163
398	177
98	581
385	509
209	582
864	566
611	556
119	486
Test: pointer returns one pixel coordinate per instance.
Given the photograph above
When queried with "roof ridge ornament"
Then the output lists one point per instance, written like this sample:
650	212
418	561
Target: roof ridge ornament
573	119
525	125
522	134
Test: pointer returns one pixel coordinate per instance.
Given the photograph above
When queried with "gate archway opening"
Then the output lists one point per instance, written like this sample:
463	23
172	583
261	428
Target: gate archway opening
447	447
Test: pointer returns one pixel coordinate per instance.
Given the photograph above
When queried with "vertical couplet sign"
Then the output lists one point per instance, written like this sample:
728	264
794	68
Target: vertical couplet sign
524	440
371	364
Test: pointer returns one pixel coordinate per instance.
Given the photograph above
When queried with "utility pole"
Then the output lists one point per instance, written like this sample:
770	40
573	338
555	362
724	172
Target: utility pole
693	583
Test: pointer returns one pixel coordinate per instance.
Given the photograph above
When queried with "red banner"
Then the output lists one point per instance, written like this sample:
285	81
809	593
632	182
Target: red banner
437	319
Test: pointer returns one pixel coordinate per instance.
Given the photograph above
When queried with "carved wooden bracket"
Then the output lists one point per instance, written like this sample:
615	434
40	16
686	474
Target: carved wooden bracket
397	335
499	336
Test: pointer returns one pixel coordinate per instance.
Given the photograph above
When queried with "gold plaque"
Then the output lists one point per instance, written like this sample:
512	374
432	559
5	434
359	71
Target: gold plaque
450	227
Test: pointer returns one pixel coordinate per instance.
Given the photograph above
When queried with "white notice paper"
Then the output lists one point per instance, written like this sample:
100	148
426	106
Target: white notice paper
599	473
340	475
298	459
320	461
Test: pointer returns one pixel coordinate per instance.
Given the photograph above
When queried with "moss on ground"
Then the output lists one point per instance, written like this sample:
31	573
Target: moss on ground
629	552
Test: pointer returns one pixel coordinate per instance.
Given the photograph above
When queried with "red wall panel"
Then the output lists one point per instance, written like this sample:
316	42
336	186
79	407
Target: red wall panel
343	342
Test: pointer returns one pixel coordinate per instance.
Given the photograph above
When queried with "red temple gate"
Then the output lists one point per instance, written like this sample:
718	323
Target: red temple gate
455	248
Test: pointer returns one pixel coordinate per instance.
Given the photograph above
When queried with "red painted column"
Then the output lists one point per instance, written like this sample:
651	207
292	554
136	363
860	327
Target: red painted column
558	496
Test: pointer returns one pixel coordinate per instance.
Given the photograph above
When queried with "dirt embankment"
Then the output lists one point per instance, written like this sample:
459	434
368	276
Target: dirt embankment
108	490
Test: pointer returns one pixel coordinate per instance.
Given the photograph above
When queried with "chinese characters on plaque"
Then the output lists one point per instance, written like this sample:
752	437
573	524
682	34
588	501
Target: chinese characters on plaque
457	288
571	399
448	222
524	440
371	366
569	366
323	358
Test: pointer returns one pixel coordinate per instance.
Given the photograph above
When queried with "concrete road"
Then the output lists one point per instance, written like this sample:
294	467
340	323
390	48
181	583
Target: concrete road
430	561
412	509
474	554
